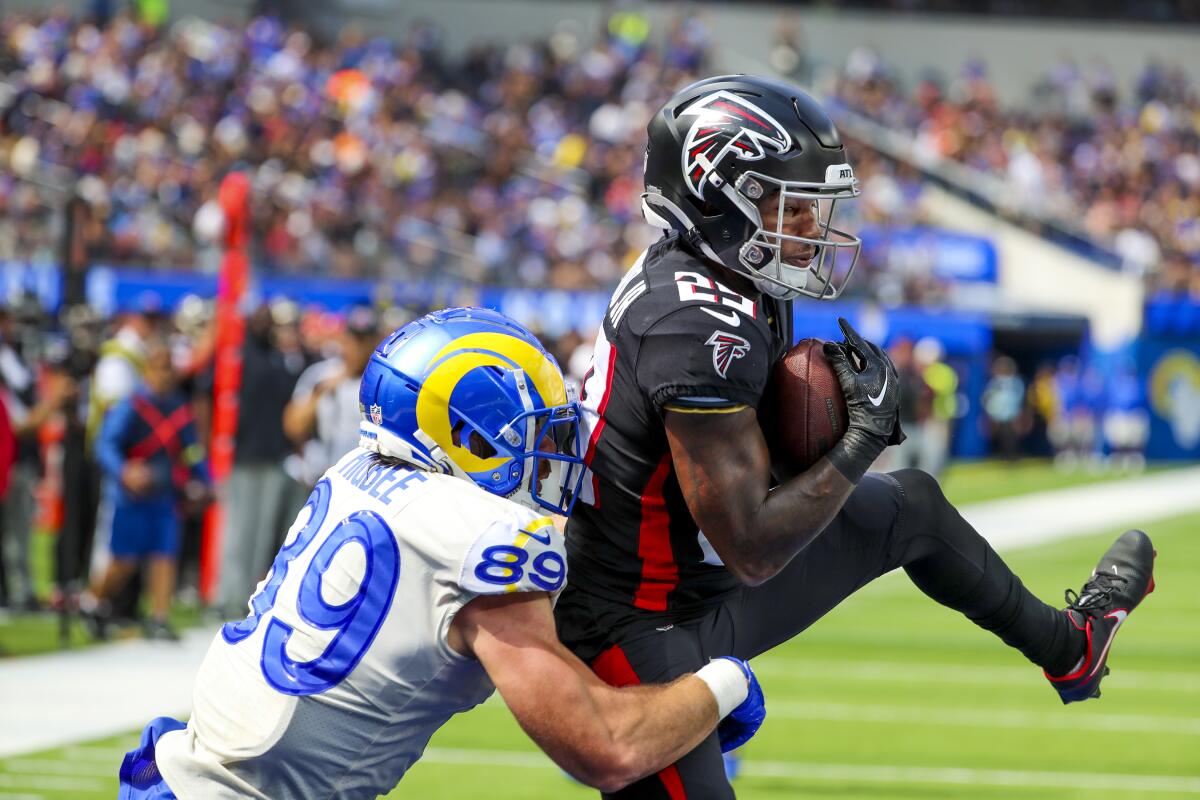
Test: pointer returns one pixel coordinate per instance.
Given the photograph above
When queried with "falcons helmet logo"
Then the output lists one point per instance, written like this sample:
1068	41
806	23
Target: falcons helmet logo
726	347
724	120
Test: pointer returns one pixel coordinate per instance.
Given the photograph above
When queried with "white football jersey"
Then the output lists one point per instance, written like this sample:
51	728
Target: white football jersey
333	684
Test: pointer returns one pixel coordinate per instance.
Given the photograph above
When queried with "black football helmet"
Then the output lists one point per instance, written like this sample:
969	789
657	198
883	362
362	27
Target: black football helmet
720	147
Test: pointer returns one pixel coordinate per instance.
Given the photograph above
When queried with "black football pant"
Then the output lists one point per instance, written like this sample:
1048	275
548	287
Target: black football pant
889	521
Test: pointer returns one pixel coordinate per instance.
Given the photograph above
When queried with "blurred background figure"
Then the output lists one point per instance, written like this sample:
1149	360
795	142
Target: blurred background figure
1004	407
322	417
29	403
1126	425
1076	438
151	459
941	382
258	493
928	405
192	341
16	477
118	374
73	358
915	402
1045	407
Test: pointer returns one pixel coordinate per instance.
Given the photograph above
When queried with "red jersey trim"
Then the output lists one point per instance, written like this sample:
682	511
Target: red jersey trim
613	667
660	573
600	423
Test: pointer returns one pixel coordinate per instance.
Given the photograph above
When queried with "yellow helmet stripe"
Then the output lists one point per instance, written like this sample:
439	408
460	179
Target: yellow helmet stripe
461	356
540	369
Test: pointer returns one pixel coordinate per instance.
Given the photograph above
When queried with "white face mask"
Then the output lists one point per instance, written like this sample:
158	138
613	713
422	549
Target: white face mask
761	257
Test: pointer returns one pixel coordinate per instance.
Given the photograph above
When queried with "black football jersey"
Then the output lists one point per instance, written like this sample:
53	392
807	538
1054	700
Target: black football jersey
674	336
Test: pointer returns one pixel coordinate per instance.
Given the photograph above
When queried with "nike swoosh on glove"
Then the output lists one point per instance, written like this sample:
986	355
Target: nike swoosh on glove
744	721
872	389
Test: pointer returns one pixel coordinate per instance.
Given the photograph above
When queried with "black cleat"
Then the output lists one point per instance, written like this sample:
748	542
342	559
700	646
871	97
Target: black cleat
1124	576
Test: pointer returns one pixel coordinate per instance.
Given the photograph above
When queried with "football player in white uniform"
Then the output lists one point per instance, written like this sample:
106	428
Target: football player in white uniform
419	576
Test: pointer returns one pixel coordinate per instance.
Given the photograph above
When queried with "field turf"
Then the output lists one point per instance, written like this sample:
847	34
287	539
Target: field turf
890	696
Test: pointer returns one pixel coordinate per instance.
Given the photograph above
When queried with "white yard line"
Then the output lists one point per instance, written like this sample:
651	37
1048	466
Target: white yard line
1042	517
56	699
964	674
986	718
43	766
872	773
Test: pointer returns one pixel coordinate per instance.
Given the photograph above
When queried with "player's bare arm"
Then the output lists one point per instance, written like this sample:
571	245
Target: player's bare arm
723	467
604	736
724	472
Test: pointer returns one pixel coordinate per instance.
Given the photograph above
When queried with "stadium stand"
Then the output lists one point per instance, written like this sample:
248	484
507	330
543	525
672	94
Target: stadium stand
1125	168
368	158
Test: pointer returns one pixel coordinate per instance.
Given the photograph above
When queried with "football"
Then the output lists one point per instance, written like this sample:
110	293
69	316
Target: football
803	410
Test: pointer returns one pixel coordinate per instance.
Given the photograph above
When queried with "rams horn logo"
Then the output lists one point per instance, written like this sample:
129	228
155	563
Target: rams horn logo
724	121
726	347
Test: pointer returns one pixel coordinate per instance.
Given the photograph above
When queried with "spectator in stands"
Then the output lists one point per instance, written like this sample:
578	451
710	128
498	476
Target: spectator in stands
323	414
519	168
1004	407
258	496
1120	170
151	458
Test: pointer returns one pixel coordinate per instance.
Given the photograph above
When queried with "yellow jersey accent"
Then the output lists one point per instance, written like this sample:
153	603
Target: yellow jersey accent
540	523
695	410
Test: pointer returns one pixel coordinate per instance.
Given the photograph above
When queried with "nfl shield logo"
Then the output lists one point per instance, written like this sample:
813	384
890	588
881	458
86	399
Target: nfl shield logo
377	413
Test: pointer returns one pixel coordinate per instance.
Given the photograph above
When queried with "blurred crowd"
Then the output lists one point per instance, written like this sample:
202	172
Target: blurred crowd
1153	11
1124	168
368	157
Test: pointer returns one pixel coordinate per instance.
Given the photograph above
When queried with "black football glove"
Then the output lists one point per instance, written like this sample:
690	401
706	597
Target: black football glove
872	389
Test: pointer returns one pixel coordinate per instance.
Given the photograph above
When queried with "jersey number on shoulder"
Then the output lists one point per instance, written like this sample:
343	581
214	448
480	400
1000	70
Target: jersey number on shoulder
356	620
504	564
693	286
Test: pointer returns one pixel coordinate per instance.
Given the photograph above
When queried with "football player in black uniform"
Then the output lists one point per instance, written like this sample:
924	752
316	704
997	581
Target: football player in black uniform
682	547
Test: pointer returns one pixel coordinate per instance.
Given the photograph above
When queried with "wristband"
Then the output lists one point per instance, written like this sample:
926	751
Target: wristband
727	682
854	453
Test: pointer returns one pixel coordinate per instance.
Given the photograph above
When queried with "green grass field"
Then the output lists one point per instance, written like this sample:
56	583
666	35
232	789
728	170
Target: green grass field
890	696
